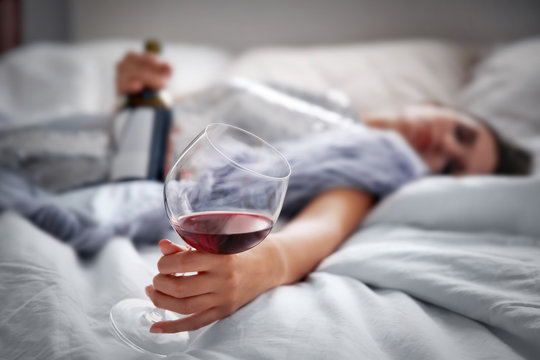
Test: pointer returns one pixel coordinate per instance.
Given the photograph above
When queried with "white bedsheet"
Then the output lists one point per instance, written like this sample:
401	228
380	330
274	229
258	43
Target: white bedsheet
408	285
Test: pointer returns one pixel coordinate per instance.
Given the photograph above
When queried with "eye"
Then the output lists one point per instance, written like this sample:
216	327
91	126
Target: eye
465	135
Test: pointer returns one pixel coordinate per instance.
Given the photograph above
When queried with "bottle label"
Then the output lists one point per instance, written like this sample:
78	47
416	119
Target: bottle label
133	132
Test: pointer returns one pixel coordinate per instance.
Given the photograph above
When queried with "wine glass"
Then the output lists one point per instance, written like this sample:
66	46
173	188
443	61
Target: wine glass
222	196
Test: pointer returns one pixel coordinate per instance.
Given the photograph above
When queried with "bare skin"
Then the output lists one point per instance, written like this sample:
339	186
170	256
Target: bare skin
445	139
136	71
227	282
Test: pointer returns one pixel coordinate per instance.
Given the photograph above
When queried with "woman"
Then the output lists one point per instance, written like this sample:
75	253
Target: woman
448	142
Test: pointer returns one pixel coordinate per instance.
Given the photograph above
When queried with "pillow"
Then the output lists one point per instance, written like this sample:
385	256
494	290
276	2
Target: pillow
505	92
45	81
471	204
373	75
505	88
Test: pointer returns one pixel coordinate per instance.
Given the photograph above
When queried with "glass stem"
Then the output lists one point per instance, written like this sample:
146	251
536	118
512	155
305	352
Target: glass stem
155	315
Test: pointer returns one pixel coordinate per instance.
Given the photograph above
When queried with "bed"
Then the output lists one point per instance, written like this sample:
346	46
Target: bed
445	268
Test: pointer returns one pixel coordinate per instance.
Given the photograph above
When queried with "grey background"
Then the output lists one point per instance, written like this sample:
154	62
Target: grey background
241	24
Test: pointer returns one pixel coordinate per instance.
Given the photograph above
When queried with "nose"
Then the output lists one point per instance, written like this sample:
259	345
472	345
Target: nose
451	147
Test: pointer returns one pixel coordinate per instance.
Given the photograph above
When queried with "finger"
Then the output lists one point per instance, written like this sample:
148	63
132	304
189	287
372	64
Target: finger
133	86
151	75
167	247
151	61
187	286
129	58
137	81
189	323
130	61
185	306
123	79
127	80
132	57
166	68
148	59
187	261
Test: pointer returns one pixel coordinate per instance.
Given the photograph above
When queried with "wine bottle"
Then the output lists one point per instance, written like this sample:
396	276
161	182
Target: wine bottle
141	132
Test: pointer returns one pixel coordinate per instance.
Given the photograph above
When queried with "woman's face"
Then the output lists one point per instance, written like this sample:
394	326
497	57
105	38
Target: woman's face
448	141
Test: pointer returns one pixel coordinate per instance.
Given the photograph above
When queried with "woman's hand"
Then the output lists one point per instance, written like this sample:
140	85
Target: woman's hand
225	283
139	70
222	285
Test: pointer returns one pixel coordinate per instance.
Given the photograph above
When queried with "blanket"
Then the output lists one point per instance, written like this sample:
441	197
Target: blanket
378	162
420	284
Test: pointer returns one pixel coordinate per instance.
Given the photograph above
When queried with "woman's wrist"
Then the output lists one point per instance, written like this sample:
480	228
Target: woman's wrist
278	260
268	261
297	253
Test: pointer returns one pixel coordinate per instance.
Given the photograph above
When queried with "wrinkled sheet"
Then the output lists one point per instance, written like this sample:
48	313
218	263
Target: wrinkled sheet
442	269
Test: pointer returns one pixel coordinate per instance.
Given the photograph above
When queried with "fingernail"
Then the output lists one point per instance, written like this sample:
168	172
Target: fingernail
156	330
147	290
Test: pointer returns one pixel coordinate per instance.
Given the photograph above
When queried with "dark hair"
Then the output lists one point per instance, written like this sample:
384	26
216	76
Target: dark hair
511	158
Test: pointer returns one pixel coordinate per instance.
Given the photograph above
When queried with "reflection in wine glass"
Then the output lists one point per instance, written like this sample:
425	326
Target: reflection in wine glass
223	196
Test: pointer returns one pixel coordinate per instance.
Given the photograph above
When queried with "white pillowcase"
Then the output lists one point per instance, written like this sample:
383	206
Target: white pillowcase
493	204
46	81
505	88
375	76
505	91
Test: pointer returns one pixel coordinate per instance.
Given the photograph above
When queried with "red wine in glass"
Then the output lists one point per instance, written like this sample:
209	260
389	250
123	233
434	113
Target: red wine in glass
223	232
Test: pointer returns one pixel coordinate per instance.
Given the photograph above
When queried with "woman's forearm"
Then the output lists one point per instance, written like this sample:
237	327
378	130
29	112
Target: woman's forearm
317	231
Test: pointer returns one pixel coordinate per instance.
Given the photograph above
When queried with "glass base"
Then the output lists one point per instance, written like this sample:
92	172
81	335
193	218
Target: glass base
131	320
